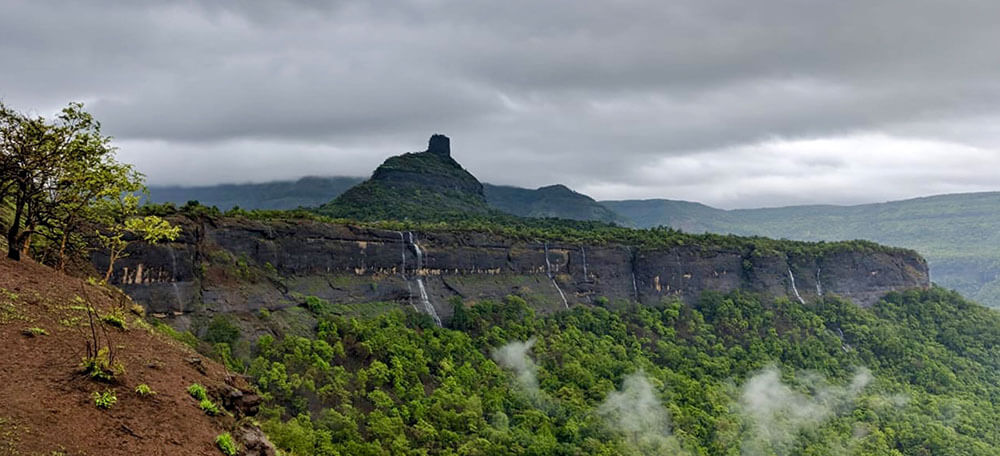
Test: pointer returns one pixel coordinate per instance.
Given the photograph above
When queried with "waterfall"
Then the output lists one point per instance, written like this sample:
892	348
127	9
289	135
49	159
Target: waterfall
402	253
425	300
635	289
631	267
583	252
552	278
173	279
819	285
795	290
417	251
402	270
548	266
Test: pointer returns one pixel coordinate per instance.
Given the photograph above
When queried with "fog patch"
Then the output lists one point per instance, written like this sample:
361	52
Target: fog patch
637	413
514	356
777	413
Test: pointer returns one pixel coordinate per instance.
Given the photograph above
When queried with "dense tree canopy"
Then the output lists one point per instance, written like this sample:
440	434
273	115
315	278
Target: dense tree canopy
59	178
734	374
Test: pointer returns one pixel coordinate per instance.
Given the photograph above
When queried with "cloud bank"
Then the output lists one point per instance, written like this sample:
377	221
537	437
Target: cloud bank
720	101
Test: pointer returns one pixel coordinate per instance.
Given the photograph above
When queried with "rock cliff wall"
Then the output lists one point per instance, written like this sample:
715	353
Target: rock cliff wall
238	265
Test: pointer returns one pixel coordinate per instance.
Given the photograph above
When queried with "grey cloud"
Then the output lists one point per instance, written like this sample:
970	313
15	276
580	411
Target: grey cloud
580	92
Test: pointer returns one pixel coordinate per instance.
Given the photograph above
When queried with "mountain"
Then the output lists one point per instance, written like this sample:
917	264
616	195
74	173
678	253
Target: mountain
421	185
74	357
956	233
305	192
550	201
426	185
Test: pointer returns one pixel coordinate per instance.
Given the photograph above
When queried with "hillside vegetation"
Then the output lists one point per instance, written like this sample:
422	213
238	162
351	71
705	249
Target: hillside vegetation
733	374
956	233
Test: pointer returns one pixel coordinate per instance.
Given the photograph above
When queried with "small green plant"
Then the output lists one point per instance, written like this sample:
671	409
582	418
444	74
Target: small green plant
197	391
34	332
115	320
105	400
100	367
226	444
263	313
144	390
209	407
138	310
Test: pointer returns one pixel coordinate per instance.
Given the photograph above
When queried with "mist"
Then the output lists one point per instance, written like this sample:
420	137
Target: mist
514	356
777	413
636	412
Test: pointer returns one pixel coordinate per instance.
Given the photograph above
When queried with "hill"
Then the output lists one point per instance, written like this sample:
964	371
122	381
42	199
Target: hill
425	185
956	233
305	192
417	186
549	201
48	399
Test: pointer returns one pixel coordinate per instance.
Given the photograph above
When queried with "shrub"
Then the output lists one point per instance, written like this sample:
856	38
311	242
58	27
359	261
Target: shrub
209	407
99	367
115	320
105	400
222	329
144	390
316	305
197	391
226	444
138	310
35	331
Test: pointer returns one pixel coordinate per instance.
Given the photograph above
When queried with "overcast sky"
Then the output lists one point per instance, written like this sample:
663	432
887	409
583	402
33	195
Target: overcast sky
730	103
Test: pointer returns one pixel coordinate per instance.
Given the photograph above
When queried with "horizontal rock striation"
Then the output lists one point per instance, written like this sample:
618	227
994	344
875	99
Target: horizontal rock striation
239	265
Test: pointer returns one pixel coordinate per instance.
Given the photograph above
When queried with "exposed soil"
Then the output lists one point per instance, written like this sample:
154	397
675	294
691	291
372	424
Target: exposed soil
46	402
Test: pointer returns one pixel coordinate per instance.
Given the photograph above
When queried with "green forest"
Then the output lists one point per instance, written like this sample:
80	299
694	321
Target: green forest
734	374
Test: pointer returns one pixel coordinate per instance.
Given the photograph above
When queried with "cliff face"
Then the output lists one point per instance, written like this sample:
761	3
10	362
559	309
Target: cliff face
238	265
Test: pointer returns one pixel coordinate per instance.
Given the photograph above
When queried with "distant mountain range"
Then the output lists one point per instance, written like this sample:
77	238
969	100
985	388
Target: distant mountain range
958	233
305	192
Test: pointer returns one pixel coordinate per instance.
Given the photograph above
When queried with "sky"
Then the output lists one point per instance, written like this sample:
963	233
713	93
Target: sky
731	103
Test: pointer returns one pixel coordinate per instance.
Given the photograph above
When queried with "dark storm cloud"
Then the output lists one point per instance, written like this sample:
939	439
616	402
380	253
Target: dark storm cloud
728	102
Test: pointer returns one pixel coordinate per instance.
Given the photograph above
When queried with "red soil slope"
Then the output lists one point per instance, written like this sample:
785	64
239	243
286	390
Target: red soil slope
46	403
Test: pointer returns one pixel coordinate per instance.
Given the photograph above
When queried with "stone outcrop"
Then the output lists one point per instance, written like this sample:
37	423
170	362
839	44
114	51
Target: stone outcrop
239	265
439	145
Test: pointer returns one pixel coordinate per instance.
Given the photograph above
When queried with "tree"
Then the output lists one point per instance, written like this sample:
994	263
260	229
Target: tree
59	177
121	225
44	164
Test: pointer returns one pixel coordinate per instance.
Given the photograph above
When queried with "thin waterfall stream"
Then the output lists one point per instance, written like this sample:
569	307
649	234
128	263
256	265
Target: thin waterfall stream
552	277
819	285
794	289
425	299
402	270
173	279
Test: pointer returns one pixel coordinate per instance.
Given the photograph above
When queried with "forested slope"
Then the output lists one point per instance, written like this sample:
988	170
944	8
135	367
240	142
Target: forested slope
916	374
